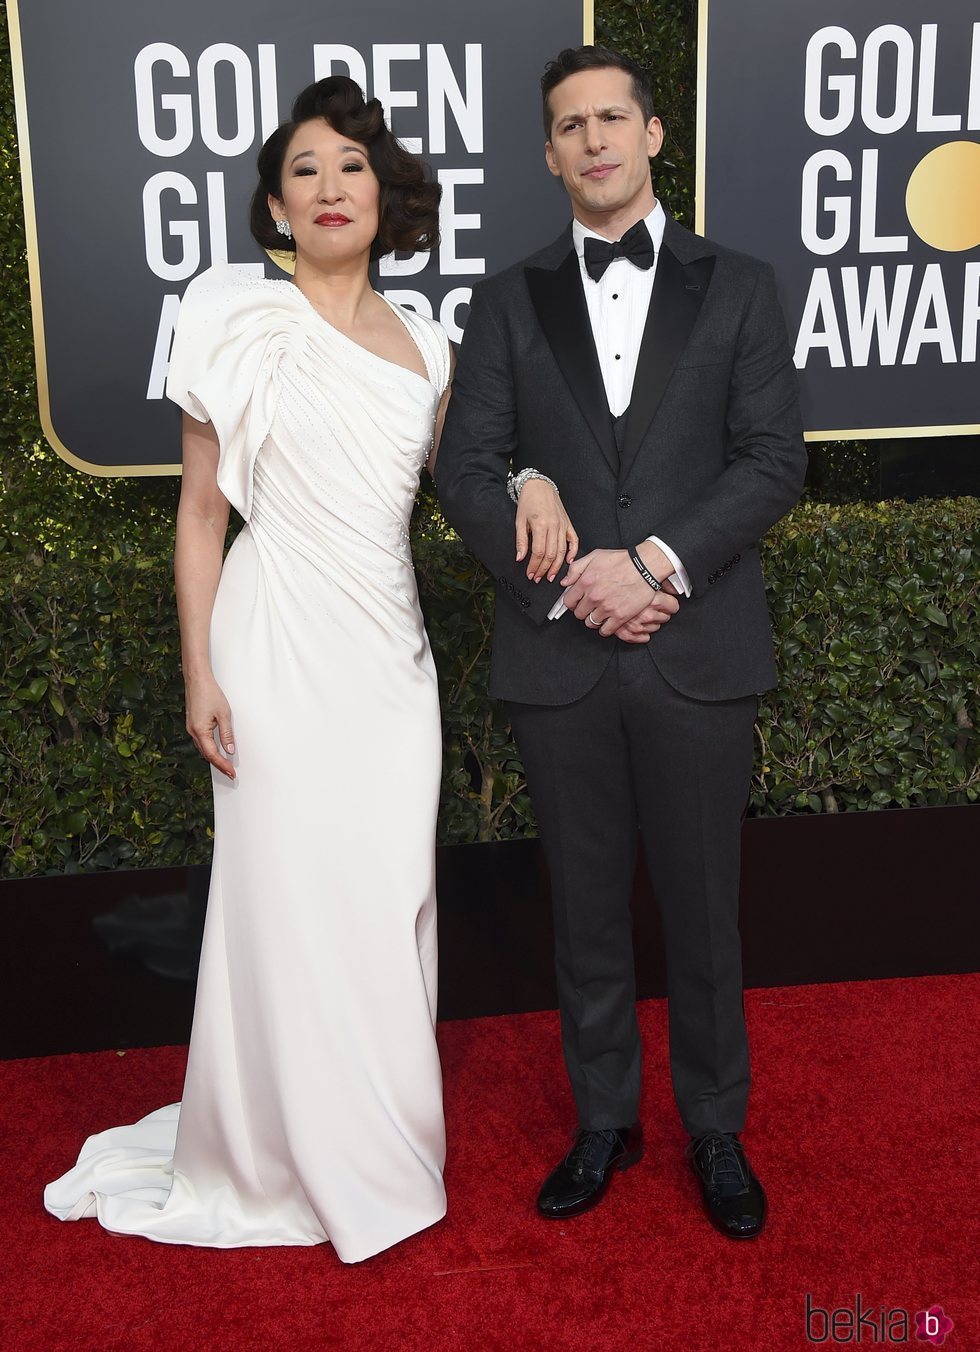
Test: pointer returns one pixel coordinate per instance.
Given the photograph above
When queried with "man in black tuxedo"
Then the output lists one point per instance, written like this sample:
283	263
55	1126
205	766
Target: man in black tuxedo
647	373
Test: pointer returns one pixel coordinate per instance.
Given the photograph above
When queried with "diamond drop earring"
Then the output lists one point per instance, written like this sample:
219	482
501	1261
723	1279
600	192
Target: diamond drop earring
284	229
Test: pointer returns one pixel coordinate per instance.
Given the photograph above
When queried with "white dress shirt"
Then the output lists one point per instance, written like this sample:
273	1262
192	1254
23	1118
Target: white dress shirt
618	303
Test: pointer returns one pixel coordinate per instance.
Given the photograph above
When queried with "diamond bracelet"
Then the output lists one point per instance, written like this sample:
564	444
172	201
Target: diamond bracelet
515	482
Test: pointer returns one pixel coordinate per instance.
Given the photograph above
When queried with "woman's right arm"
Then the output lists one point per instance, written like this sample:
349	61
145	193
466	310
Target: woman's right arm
202	522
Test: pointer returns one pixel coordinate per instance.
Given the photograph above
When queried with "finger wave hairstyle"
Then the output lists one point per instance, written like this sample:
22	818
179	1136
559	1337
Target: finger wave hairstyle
408	208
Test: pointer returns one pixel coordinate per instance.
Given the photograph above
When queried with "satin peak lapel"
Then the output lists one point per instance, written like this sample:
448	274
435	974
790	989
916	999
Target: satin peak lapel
678	292
564	318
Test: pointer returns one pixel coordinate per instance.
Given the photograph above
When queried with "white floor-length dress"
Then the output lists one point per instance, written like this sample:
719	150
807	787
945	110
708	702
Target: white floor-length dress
312	1106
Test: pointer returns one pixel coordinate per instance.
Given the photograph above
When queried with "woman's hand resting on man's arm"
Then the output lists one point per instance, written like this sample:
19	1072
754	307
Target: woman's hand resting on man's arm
544	529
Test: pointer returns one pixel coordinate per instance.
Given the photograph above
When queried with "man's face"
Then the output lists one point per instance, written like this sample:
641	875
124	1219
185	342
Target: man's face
601	148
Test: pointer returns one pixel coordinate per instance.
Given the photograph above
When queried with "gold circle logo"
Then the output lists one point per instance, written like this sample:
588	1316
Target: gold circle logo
942	200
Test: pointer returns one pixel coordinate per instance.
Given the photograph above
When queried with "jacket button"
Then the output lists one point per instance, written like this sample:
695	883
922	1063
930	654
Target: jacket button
625	500
736	558
525	602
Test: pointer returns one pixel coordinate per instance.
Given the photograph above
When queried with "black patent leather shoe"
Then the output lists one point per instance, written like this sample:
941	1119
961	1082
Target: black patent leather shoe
734	1200
581	1180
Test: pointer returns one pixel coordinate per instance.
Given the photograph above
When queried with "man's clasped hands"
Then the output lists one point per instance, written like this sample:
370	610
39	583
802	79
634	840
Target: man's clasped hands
603	589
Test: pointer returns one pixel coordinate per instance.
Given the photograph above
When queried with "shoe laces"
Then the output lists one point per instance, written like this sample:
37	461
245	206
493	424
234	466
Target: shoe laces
579	1158
721	1162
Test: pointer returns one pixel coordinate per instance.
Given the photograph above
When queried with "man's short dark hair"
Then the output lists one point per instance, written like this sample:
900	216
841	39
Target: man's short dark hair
575	59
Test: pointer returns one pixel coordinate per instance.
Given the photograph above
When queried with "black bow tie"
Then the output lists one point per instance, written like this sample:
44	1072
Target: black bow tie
636	245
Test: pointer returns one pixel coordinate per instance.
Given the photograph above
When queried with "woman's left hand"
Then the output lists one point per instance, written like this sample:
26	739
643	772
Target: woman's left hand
544	526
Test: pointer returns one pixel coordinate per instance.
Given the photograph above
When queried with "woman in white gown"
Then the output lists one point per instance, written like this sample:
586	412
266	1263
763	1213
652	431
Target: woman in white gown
312	1107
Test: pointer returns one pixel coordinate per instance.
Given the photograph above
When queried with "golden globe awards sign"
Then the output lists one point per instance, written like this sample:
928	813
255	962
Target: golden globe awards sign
139	127
842	143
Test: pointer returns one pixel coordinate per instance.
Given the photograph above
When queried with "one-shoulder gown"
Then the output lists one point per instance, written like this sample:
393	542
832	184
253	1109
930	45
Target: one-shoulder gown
312	1105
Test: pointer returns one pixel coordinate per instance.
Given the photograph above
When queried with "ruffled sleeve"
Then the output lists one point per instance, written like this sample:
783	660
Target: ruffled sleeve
232	332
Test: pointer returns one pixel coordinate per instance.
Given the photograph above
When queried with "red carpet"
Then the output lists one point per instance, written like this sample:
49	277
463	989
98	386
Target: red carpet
863	1126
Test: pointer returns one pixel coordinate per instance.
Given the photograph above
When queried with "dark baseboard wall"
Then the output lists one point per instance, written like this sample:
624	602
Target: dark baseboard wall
108	960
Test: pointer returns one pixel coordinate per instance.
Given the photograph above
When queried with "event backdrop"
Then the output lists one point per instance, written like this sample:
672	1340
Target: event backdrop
139	127
842	143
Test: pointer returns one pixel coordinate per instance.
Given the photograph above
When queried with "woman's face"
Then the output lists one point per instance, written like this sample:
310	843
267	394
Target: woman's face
330	194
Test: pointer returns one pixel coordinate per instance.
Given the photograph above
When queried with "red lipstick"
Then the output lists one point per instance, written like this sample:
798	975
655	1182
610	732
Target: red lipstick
332	218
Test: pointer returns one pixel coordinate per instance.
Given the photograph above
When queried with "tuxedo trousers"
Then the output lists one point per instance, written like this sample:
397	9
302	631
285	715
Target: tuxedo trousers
635	756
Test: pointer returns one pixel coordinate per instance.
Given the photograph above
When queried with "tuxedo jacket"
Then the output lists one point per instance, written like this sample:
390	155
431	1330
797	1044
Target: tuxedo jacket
713	456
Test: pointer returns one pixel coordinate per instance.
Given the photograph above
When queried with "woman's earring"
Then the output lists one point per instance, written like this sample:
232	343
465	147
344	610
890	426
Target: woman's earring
284	229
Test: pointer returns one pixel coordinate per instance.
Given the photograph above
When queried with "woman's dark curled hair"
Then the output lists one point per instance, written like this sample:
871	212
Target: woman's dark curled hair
408	208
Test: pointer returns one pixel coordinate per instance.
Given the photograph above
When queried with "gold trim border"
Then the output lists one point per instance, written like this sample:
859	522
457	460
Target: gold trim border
588	22
849	434
34	274
876	433
702	116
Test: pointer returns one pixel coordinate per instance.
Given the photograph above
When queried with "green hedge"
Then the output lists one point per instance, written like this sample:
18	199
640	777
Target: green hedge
875	609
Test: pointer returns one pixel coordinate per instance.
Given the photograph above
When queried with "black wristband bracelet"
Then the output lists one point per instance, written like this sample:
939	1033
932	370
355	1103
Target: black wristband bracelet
643	570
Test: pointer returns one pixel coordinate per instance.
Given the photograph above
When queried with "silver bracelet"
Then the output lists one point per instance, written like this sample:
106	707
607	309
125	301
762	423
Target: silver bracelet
515	482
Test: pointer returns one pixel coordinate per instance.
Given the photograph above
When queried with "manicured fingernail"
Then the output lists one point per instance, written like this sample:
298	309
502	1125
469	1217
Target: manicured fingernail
231	748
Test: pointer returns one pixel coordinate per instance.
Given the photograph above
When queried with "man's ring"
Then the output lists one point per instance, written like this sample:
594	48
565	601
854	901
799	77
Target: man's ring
593	624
